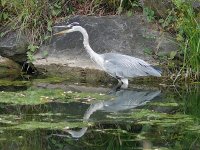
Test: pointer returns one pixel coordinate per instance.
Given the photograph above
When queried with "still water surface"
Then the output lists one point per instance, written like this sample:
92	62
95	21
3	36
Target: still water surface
74	117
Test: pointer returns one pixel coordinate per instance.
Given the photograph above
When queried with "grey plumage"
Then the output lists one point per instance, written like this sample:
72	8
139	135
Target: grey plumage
124	66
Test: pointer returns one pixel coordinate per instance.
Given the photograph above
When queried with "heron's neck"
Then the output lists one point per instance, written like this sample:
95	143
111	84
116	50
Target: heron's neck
86	42
94	56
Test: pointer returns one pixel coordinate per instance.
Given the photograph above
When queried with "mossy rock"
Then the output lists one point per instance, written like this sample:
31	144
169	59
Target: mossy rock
9	69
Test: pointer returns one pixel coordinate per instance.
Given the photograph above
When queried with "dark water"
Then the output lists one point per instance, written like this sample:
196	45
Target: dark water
150	118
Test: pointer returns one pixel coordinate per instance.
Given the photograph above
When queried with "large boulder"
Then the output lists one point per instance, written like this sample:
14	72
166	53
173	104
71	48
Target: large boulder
14	46
127	35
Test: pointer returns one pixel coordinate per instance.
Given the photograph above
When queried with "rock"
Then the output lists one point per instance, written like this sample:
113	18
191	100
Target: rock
14	47
196	5
9	69
127	35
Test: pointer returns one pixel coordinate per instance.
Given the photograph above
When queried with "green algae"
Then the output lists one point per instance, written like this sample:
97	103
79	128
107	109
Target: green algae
11	122
33	125
21	122
8	119
149	117
165	104
34	96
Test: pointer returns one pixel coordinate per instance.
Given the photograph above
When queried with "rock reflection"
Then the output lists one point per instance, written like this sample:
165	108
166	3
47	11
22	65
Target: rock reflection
123	100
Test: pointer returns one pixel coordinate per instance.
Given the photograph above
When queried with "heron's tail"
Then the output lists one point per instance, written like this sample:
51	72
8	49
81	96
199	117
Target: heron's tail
156	71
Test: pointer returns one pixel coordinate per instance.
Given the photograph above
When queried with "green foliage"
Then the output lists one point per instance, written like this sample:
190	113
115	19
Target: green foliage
127	6
172	54
148	51
32	48
167	23
188	27
149	13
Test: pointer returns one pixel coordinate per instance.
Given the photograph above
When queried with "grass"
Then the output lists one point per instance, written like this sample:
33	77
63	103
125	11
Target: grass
188	26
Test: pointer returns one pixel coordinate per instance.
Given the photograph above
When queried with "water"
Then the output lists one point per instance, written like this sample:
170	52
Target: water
75	116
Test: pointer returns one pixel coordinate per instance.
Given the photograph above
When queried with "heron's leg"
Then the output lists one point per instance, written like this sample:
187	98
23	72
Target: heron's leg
116	88
124	83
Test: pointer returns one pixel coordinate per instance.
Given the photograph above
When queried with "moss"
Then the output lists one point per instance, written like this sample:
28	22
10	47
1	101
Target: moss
14	83
51	79
9	69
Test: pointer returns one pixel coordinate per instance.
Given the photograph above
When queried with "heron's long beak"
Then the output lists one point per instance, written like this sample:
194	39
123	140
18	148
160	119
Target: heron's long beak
61	32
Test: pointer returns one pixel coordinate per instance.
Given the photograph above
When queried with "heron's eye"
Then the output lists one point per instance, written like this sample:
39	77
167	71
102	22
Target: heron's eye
70	27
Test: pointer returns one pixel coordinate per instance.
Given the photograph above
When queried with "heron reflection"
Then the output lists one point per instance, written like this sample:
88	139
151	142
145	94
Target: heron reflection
124	100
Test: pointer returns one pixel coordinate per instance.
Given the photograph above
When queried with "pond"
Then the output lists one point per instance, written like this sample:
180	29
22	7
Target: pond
55	114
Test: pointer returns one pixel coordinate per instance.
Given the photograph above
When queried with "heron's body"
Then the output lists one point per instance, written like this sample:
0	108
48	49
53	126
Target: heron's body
117	65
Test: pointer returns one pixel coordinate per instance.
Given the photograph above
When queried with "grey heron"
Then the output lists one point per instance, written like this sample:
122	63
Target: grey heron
117	65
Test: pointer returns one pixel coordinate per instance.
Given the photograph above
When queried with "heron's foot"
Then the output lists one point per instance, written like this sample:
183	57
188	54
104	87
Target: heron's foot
123	83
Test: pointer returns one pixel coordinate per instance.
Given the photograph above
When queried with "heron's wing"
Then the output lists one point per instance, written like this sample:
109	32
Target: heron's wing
127	99
127	66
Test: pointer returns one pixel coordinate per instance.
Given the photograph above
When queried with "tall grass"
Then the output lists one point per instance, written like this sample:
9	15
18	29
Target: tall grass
188	26
28	16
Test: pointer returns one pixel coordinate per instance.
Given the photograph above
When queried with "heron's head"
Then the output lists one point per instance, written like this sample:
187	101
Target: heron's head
68	28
